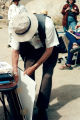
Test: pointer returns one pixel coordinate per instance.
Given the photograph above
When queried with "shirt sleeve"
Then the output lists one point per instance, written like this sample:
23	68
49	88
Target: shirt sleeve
51	37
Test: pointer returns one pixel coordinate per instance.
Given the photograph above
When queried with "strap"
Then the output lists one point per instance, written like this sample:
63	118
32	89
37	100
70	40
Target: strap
41	27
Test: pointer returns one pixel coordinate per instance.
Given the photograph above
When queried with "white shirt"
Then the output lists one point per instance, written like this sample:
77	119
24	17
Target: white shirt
51	37
12	12
15	10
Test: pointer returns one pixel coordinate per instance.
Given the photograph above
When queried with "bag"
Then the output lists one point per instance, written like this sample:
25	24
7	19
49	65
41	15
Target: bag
8	82
6	77
61	46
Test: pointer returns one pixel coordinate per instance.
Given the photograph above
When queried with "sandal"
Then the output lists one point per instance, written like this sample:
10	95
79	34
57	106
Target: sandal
66	67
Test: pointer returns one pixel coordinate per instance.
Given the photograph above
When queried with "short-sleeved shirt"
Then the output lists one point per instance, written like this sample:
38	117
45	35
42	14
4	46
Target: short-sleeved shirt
51	37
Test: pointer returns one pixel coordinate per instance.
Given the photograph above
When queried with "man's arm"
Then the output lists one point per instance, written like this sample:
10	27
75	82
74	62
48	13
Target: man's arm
43	58
15	57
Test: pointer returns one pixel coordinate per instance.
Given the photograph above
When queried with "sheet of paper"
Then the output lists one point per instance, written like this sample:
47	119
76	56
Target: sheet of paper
26	93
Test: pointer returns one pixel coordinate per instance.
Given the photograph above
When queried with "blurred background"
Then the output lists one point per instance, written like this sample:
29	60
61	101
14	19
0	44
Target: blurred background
53	7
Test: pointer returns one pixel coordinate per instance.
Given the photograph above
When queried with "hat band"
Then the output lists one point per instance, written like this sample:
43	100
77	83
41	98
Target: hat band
26	29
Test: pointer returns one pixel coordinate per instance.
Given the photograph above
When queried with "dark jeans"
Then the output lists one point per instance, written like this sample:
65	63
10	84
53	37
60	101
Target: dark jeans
71	39
30	56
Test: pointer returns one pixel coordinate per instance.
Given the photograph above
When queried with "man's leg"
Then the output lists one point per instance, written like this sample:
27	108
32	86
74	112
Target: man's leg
46	83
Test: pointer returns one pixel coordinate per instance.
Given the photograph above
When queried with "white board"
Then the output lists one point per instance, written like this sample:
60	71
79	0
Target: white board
26	94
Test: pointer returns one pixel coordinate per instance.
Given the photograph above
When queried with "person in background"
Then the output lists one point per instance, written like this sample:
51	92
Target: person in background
14	9
74	46
69	11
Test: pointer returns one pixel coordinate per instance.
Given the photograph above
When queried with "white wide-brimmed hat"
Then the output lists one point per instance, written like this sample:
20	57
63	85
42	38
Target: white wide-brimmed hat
24	26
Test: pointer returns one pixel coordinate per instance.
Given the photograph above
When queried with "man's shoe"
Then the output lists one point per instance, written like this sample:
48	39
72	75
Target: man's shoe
42	115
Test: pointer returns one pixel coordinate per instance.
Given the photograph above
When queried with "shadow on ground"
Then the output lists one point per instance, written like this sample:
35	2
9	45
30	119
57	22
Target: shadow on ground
64	95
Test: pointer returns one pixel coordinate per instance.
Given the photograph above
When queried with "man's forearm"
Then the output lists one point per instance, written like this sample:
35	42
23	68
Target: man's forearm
15	57
44	57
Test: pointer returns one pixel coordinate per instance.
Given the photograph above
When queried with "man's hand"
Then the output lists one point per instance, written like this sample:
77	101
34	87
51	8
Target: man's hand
15	74
30	70
15	71
16	77
43	58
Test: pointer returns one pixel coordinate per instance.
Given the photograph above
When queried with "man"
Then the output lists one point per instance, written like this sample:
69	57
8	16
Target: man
35	40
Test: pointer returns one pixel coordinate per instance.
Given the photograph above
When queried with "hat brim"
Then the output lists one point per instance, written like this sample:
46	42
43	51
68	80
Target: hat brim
28	35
